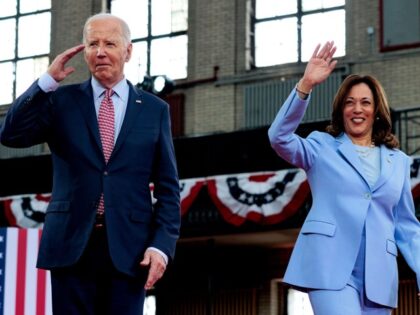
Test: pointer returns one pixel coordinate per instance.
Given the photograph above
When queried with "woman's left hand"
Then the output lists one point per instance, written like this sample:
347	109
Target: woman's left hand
319	67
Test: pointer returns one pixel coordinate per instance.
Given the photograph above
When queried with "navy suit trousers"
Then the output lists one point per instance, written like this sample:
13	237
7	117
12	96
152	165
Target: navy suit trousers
94	287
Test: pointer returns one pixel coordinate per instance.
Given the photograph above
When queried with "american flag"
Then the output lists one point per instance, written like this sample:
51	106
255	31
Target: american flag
24	289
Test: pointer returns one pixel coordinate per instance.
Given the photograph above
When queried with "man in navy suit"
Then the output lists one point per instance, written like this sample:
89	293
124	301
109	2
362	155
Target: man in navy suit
103	239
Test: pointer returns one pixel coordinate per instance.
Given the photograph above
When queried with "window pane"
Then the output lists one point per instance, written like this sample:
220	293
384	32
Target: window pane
179	15
26	6
7	7
134	13
30	45
27	71
319	28
161	17
268	8
7	37
6	83
169	16
136	68
400	24
169	56
321	4
276	42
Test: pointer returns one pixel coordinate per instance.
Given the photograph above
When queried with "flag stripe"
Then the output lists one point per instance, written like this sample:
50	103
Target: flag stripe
21	272
41	287
48	308
24	289
31	271
2	267
10	270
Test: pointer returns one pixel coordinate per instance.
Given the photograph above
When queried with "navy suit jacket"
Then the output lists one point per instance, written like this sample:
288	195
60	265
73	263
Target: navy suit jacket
343	205
143	154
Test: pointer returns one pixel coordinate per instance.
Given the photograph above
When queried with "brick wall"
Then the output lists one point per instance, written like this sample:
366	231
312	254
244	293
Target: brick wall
218	37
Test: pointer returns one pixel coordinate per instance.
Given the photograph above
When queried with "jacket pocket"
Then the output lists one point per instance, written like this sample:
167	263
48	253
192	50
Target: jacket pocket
58	206
318	227
391	247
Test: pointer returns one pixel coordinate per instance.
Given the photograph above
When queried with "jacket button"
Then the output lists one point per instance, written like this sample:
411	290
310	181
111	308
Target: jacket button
105	173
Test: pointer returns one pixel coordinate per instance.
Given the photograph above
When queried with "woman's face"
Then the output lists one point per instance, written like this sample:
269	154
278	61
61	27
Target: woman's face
358	114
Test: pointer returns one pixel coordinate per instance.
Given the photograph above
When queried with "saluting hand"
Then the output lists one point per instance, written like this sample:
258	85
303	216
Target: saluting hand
319	67
58	69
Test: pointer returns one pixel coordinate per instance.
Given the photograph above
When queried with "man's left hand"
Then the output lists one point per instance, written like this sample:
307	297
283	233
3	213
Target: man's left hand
157	266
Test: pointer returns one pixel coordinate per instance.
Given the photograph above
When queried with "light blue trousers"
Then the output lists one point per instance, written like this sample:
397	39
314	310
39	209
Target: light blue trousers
352	299
348	301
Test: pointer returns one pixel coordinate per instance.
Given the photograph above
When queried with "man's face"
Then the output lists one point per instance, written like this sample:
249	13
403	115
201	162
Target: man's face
106	52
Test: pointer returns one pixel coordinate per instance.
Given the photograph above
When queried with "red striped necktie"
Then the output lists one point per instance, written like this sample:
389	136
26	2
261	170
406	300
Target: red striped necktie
107	133
106	124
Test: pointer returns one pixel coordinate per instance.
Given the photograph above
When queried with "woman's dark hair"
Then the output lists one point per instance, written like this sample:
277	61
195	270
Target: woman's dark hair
382	125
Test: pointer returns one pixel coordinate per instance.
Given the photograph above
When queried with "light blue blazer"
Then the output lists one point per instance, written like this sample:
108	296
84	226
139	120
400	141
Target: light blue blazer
343	203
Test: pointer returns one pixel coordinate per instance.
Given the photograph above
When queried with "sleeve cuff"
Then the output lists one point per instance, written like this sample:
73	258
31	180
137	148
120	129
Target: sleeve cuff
47	83
165	257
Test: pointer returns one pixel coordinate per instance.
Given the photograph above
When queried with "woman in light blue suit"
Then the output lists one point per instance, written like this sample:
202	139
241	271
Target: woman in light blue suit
346	254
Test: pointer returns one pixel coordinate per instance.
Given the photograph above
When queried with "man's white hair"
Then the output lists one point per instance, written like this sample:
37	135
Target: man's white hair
103	16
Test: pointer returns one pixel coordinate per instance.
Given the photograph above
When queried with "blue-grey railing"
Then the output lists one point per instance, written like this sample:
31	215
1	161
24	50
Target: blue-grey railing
406	126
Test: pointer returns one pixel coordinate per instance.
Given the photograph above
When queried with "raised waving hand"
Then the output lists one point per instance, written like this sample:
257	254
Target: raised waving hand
319	67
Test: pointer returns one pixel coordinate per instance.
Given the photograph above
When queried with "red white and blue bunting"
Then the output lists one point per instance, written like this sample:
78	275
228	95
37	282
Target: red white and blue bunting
263	198
26	211
189	189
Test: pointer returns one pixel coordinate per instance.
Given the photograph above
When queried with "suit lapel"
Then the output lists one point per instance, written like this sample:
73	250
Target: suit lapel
85	102
134	107
346	148
387	165
86	105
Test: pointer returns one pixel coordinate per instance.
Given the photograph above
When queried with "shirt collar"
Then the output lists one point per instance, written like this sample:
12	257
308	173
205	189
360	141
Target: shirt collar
120	89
